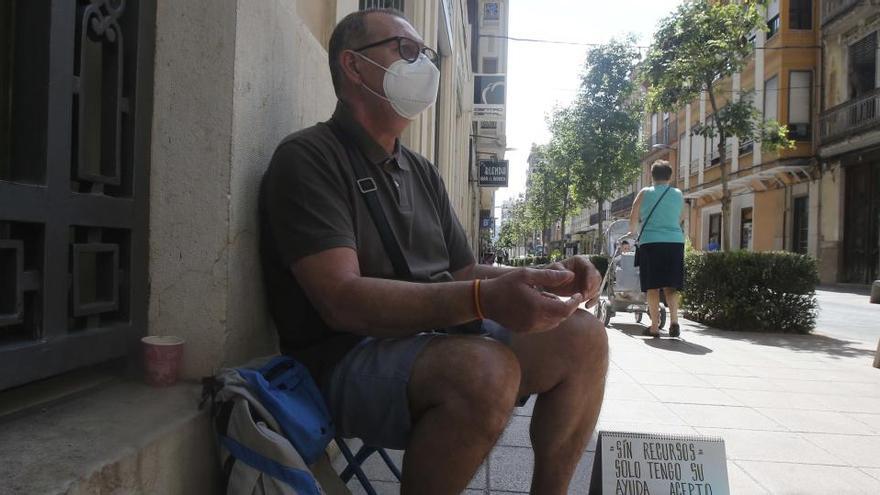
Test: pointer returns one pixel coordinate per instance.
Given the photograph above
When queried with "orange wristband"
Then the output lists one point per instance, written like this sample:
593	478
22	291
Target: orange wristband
477	304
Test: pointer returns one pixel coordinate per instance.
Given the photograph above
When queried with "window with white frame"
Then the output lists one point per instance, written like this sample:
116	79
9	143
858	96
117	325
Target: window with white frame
771	98
800	88
773	23
681	163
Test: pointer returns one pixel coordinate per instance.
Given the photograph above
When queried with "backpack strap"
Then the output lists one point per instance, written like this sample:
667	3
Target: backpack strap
366	184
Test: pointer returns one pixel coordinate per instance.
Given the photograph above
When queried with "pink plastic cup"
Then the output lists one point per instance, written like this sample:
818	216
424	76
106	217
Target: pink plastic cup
162	356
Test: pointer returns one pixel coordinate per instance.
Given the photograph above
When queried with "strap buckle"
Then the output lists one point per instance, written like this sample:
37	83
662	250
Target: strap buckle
366	185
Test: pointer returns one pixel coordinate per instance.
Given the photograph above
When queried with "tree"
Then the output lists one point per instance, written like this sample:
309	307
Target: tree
548	188
515	226
606	119
694	49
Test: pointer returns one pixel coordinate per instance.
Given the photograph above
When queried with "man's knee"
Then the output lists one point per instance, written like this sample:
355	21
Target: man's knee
586	341
478	379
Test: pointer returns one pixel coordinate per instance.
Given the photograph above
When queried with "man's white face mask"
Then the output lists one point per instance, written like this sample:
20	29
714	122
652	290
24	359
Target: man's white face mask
410	88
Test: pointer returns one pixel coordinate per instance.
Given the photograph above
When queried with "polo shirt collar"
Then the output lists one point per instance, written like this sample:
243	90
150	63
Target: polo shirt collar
374	152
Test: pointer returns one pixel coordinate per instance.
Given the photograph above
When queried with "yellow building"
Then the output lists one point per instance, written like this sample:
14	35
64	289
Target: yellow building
775	196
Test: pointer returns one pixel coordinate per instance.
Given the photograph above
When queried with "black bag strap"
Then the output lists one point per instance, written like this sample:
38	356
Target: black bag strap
645	223
367	187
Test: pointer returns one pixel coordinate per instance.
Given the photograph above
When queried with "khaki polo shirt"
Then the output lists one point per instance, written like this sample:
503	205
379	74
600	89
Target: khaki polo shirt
309	202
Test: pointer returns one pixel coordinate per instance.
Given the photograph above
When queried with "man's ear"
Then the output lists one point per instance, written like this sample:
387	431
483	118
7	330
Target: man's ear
350	67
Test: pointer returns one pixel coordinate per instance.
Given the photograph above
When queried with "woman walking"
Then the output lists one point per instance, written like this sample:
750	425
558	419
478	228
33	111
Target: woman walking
659	212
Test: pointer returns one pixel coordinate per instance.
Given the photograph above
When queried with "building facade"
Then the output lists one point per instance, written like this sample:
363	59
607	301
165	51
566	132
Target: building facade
849	141
489	64
777	198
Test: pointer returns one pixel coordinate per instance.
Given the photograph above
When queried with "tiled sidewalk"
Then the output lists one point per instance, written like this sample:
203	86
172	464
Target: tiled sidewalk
799	414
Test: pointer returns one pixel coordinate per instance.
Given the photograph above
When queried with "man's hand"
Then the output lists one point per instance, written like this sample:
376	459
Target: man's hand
516	301
586	279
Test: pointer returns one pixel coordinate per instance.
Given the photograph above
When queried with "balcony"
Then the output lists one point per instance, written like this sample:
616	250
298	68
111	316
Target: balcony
858	115
832	9
665	135
623	203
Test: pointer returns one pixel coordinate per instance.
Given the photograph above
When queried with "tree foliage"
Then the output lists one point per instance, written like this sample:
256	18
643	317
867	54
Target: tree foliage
607	116
695	48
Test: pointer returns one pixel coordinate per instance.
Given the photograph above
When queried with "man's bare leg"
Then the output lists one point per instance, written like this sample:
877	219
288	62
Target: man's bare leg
462	391
566	367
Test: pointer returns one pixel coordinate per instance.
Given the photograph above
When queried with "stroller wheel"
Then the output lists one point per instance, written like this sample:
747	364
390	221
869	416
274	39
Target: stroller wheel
639	316
662	317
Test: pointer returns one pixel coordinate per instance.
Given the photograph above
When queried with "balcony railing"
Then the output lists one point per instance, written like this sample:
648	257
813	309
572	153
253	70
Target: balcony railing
665	135
622	203
851	117
831	9
713	158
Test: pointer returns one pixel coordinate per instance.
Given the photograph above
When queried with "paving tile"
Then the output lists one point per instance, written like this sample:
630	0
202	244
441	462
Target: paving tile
580	482
517	433
638	411
855	450
644	428
691	395
710	416
817	421
741	482
668	378
816	402
810	478
381	487
510	469
627	390
741	382
527	409
872	420
752	445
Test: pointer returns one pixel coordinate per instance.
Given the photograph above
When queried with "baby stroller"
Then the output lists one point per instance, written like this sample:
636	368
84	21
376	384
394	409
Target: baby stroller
621	291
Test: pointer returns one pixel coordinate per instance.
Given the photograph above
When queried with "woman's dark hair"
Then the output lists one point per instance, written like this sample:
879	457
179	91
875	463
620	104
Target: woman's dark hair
660	170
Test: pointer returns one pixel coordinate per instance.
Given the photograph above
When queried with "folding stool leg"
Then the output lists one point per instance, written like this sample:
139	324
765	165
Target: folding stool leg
354	466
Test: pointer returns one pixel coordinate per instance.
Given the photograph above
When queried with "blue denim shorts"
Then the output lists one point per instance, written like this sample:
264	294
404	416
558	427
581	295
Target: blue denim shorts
367	390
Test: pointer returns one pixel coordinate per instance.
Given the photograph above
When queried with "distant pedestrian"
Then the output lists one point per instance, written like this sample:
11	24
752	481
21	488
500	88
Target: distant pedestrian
661	244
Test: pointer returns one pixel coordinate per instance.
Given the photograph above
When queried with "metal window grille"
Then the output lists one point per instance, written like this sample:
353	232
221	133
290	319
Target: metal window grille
73	182
381	4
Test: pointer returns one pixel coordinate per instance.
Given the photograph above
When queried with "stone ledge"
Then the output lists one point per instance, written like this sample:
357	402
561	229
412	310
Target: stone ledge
122	438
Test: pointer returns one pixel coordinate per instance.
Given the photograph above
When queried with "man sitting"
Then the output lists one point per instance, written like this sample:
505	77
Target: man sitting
433	365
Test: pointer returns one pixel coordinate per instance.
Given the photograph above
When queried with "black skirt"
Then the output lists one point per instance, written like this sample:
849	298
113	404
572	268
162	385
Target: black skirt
661	264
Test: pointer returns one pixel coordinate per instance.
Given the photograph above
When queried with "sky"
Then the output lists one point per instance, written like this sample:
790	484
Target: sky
542	75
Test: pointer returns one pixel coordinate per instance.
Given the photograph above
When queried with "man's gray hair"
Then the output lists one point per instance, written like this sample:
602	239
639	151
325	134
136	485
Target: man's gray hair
349	34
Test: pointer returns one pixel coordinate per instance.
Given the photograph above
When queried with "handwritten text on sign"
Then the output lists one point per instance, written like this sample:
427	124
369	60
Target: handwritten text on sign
643	464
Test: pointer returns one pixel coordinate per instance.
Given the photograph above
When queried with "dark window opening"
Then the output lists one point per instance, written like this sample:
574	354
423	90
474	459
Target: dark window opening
381	4
714	232
801	14
745	228
863	66
773	26
490	65
800	225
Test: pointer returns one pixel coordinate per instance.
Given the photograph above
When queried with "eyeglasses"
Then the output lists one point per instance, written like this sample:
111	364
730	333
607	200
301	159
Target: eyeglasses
408	49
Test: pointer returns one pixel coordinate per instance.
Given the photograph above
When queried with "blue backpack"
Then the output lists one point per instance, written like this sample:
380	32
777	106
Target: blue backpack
272	424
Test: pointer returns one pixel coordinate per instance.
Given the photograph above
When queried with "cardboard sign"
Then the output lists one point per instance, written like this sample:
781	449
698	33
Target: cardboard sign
652	464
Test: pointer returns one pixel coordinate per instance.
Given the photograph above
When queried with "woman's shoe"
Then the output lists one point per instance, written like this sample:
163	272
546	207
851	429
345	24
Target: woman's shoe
674	330
647	333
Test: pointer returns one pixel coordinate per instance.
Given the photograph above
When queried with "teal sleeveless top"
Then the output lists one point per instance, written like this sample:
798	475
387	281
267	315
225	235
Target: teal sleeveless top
664	225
